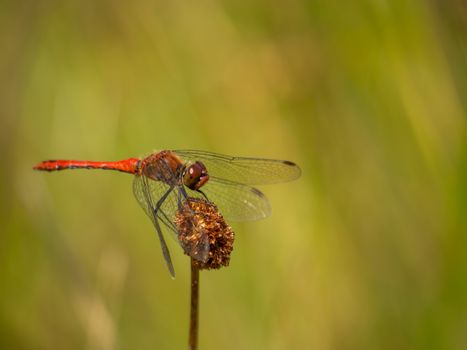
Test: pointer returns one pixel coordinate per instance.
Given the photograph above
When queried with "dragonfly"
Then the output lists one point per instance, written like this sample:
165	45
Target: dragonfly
165	179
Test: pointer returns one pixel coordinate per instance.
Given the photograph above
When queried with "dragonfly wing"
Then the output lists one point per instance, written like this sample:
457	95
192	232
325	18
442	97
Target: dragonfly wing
248	171
235	201
148	202
149	194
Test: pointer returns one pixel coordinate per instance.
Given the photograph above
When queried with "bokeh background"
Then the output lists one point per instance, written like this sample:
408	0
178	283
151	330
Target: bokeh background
365	251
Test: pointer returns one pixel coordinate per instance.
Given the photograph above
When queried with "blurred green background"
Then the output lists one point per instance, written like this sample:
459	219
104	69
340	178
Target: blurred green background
365	251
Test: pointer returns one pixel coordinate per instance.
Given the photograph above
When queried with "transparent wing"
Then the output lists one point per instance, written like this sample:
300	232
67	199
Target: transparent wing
148	192
148	203
236	202
248	171
161	202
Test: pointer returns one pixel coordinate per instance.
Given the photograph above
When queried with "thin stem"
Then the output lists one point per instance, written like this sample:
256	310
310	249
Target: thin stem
194	305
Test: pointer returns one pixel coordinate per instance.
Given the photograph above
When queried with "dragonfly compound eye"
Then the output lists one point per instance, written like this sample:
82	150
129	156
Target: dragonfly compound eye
195	176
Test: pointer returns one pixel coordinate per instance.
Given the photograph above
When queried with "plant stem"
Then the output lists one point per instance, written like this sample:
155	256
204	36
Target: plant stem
194	304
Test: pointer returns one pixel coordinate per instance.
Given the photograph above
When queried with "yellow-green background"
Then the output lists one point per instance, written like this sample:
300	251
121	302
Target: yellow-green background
366	251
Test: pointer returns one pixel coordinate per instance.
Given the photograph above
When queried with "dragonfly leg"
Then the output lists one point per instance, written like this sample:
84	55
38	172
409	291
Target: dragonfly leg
205	197
180	192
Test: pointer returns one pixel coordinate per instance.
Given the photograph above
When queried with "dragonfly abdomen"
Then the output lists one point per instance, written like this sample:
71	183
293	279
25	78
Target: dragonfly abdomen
130	165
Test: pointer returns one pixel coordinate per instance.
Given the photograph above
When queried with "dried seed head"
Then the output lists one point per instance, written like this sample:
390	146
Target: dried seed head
198	217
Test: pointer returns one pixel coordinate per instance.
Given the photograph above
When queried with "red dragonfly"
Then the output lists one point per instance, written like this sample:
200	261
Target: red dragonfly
164	179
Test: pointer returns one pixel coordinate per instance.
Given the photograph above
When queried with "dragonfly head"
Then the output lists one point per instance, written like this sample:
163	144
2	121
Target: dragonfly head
195	175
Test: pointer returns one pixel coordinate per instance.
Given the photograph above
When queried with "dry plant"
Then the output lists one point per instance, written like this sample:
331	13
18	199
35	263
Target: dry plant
195	218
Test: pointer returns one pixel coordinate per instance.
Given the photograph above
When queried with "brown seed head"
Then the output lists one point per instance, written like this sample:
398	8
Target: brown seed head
196	218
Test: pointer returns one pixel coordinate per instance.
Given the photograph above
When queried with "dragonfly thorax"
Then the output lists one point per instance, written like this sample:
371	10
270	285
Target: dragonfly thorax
167	167
163	166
